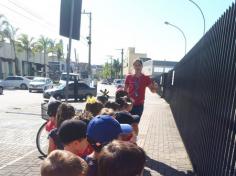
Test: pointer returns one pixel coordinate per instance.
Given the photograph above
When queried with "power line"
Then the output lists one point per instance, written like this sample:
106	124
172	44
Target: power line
32	13
36	17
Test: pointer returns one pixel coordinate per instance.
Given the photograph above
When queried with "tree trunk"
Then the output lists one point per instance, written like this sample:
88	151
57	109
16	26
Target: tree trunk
27	58
44	56
15	58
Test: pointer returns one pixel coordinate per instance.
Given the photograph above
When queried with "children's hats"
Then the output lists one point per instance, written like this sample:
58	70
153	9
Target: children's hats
127	118
71	130
104	128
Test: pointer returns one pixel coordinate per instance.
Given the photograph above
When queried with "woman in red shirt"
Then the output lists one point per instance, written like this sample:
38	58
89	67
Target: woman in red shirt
135	85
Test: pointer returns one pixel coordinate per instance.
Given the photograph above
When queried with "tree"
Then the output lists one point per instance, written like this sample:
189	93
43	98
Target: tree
10	33
3	25
116	67
26	43
59	50
106	73
43	45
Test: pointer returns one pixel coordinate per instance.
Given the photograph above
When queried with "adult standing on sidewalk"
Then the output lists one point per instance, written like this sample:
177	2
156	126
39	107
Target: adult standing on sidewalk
135	85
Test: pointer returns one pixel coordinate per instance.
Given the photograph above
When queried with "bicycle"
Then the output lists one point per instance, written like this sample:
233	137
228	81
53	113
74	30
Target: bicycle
42	134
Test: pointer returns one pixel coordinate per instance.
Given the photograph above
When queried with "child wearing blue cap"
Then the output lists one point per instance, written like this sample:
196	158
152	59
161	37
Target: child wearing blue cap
101	130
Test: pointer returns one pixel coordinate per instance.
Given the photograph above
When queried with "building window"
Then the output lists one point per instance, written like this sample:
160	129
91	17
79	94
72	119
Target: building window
158	69
162	69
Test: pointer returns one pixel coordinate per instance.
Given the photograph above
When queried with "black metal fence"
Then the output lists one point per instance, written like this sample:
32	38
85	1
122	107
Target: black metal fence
201	91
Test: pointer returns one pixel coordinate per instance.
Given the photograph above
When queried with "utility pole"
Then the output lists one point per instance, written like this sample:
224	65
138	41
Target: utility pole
110	57
122	61
111	66
89	38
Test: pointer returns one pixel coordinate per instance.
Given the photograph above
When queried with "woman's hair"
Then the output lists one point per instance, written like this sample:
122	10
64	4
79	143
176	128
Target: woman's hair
63	163
64	112
139	61
120	158
95	108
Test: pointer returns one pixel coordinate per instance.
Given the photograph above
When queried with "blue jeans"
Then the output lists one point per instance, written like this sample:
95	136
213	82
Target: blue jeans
137	110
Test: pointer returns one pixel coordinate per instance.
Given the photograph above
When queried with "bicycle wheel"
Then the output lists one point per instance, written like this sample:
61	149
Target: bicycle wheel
42	140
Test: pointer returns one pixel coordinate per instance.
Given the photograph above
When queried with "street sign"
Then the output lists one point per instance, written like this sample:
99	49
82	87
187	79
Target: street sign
65	18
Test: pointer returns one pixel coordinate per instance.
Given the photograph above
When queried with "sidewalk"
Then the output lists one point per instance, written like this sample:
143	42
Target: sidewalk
158	136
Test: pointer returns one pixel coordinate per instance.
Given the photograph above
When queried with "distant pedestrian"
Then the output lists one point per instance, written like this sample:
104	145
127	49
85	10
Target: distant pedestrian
76	87
135	85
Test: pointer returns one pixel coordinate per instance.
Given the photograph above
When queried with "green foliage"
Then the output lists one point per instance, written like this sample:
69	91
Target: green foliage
106	73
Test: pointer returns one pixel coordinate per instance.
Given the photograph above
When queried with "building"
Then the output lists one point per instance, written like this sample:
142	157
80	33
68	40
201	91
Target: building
7	63
33	66
157	67
129	58
96	71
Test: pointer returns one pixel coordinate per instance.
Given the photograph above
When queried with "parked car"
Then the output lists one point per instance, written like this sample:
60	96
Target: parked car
105	81
72	77
1	90
40	84
30	77
59	92
15	82
120	83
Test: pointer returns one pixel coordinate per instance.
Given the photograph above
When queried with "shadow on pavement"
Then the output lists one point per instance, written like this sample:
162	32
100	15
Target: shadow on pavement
163	169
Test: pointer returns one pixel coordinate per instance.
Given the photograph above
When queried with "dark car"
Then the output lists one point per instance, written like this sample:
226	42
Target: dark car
58	92
1	90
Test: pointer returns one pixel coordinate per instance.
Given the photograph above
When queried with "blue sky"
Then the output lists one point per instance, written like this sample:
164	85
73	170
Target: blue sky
121	24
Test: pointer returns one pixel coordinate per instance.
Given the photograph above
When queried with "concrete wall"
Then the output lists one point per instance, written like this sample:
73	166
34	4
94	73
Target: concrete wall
130	57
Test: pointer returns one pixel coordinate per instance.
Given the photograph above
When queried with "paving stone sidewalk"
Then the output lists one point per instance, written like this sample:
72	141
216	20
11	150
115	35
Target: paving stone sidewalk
158	136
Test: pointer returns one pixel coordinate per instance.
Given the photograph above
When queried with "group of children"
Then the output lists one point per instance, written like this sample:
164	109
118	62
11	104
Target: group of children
100	141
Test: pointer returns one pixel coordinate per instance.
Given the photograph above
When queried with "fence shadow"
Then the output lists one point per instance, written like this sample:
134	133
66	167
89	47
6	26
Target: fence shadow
163	169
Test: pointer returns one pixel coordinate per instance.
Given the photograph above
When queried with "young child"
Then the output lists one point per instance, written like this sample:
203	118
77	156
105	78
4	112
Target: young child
64	112
72	134
101	130
120	93
125	104
120	158
51	112
112	105
63	163
102	99
124	115
93	106
127	118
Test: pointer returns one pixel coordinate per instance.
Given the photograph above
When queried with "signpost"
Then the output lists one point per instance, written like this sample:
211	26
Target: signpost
70	19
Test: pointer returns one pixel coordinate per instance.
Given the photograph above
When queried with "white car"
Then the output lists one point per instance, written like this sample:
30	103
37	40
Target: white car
15	82
40	84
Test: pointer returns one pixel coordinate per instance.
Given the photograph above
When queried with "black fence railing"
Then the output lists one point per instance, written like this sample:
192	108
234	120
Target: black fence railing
201	90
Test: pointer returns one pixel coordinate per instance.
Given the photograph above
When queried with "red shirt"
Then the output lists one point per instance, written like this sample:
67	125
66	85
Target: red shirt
136	87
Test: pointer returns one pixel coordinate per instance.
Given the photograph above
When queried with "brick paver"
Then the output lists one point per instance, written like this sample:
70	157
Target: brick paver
158	136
